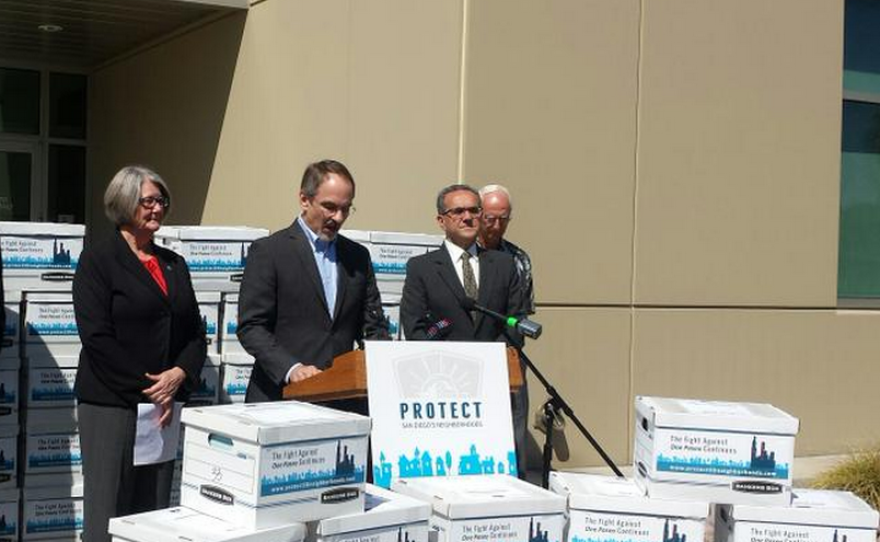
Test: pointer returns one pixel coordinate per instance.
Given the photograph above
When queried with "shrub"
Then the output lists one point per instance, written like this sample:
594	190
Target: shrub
859	473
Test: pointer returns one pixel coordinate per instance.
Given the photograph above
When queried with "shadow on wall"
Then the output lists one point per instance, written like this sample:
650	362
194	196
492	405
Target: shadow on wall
163	107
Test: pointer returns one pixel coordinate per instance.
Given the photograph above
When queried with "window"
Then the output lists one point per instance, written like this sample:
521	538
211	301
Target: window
859	257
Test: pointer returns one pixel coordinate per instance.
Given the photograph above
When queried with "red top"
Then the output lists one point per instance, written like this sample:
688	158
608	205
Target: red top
155	270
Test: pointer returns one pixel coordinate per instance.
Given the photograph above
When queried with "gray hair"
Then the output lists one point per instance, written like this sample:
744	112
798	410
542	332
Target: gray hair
492	188
441	196
122	196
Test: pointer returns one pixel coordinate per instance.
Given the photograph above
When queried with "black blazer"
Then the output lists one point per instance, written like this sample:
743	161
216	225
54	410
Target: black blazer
432	291
128	327
282	313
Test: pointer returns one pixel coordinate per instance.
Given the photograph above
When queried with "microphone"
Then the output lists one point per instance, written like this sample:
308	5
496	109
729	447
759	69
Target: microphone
525	326
439	329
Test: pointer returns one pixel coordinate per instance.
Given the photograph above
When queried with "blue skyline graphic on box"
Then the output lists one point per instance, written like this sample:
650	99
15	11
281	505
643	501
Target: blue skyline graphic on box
7	397
6	464
231	327
535	532
55	460
389	268
7	527
836	539
423	464
52	525
10	330
204	390
236	389
59	328
60	393
345	471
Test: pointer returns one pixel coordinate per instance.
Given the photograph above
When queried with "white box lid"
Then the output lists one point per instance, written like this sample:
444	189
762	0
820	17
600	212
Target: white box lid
213	360
381	508
53	492
717	415
7	431
237	358
208	297
49	297
53	479
42	228
499	495
813	507
50	420
277	422
230	297
47	360
9	495
179	524
401	238
212	233
360	236
619	495
11	296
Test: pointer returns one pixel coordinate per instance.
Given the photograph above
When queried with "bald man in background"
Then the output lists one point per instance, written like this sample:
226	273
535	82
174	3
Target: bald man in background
497	209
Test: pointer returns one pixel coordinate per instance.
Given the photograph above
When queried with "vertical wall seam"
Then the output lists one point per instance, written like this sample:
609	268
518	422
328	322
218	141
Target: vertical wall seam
349	95
635	222
461	91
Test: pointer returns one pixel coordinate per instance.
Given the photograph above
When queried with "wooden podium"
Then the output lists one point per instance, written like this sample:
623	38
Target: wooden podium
347	379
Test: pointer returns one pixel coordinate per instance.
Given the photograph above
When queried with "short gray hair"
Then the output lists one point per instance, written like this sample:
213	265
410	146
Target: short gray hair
122	196
441	196
492	188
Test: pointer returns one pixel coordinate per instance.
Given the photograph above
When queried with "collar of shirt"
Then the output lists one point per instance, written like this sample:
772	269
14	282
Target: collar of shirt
319	246
455	253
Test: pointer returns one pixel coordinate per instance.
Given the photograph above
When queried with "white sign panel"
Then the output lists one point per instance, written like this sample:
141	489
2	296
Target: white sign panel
439	409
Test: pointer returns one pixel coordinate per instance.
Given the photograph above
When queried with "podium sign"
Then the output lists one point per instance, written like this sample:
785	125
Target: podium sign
439	409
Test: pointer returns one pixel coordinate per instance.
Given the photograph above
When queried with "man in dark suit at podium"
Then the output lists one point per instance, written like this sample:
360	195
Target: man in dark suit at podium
308	294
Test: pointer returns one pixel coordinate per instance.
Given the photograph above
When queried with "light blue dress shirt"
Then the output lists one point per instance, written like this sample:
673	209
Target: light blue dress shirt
325	258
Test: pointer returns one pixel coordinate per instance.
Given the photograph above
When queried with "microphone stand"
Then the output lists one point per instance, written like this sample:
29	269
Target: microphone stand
552	407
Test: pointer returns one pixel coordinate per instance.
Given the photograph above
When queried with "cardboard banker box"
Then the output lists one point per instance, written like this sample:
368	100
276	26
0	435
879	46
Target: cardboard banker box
715	451
610	509
267	464
387	517
181	524
814	516
488	508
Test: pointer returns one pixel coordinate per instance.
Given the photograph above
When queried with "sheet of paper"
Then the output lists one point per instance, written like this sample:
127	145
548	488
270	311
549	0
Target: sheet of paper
154	444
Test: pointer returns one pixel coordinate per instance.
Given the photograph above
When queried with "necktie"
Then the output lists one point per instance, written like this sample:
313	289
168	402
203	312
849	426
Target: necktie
467	274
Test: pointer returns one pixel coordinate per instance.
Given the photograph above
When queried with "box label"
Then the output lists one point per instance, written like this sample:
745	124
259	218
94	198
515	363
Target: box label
391	259
588	526
413	532
57	516
45	319
215	256
546	528
768	532
52	385
9	519
40	252
53	453
313	465
235	380
723	454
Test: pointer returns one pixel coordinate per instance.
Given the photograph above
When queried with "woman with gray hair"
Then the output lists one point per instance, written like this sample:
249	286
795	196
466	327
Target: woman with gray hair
142	343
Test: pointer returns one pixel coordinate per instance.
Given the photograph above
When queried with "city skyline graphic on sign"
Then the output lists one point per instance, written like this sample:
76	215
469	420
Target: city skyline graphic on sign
424	464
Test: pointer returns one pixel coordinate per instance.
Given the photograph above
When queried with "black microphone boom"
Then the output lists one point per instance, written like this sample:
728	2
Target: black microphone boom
525	326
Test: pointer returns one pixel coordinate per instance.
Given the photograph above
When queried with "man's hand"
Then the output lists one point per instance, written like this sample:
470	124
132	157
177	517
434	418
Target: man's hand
301	372
165	385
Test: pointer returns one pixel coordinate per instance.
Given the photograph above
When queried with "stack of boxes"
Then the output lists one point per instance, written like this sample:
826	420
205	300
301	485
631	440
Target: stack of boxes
389	252
691	454
39	445
216	257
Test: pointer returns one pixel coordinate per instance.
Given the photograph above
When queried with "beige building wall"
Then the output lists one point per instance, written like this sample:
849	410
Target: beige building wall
675	167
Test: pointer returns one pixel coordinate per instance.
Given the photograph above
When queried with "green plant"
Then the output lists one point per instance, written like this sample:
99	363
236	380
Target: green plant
859	473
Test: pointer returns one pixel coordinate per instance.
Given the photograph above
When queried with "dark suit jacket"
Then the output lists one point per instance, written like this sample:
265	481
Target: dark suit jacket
128	327
432	292
282	313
